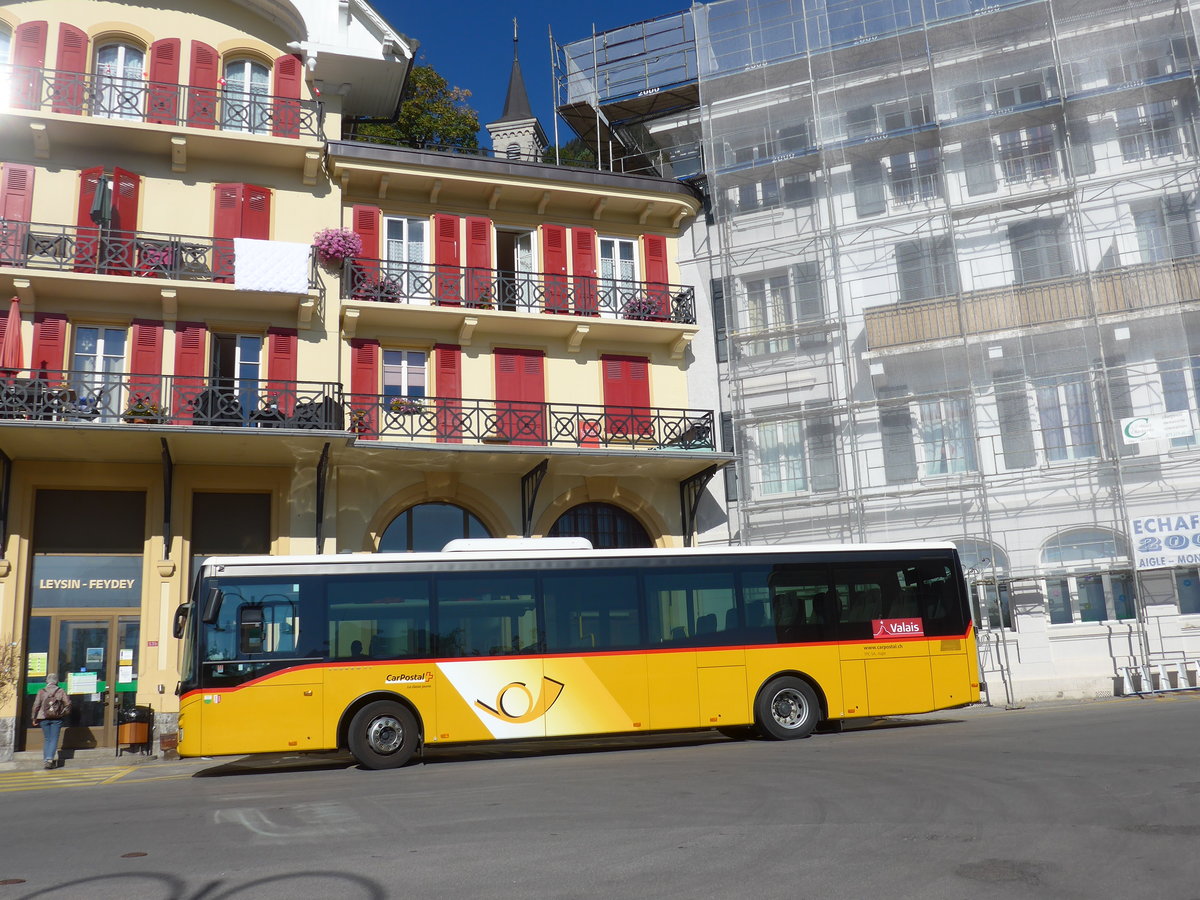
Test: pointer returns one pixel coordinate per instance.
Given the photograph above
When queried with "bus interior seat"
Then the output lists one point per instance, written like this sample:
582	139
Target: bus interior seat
731	620
679	633
707	624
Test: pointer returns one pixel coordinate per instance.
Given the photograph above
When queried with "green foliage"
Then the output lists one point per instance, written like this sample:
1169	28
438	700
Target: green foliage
573	153
431	113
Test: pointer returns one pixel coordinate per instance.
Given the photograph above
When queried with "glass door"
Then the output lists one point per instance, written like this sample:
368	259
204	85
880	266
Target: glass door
95	658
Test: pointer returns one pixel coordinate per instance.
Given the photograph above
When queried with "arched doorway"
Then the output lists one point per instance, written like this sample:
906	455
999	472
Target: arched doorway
606	526
427	527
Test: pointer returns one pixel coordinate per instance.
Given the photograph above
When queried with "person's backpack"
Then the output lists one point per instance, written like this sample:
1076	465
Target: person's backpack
57	706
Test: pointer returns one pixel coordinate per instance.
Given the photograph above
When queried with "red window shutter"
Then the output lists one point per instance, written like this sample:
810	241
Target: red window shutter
256	213
29	61
654	250
583	252
366	223
364	387
145	361
125	189
71	66
87	235
281	368
520	396
289	70
49	343
448	359
202	86
16	207
627	396
479	261
554	256
448	274
189	368
227	224
162	95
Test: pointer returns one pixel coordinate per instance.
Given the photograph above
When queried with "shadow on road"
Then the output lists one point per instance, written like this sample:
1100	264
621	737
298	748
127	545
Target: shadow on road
265	763
149	885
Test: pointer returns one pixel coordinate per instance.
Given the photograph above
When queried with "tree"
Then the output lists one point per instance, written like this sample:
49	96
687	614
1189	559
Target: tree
431	113
574	152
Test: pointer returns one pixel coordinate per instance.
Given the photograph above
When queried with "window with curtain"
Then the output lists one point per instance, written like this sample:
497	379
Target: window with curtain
780	459
1028	153
245	99
1067	419
404	373
1040	249
120	85
1165	229
405	251
97	364
1148	131
926	268
947	437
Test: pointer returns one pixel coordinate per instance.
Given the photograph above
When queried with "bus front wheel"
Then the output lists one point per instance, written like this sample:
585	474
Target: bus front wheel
383	735
787	708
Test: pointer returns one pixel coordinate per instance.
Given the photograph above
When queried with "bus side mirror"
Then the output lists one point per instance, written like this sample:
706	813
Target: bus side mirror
212	606
181	614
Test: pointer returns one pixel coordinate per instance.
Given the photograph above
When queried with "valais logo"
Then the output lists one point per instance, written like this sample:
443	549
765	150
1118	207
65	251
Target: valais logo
897	628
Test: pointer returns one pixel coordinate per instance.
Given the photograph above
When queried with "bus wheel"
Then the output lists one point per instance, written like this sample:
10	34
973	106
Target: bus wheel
787	708
383	735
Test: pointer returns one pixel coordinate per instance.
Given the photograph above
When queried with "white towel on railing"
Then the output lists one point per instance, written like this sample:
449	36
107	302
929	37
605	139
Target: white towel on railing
270	266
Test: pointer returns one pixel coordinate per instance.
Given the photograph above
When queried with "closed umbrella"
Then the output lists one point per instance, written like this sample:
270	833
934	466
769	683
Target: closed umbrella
12	356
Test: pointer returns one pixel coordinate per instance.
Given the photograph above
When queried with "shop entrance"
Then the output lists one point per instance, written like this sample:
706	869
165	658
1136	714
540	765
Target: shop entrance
95	655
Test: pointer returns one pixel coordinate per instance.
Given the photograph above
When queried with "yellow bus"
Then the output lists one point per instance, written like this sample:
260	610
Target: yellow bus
385	654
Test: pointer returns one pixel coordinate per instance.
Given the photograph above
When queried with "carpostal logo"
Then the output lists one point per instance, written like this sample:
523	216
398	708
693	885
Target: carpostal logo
419	678
886	629
515	702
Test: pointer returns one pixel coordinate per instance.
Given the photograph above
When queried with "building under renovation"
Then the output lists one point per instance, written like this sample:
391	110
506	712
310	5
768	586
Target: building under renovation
954	270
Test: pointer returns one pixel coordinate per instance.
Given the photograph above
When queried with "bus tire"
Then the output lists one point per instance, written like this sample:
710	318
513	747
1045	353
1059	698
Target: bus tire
383	735
787	709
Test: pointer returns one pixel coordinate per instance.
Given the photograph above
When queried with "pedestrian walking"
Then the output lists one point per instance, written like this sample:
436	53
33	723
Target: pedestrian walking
51	706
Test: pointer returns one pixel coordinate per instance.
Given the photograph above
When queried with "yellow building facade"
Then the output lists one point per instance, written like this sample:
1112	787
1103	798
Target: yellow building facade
475	347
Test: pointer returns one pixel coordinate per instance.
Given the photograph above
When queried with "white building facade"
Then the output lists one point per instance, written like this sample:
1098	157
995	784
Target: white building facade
953	250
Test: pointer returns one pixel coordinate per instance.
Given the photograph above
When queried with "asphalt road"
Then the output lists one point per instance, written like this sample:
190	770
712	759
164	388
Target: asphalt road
1095	800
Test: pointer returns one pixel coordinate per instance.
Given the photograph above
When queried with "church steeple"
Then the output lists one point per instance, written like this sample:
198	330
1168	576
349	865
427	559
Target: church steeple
517	134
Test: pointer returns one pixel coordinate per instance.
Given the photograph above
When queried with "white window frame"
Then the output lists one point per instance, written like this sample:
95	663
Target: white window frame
98	377
257	118
399	370
414	283
780	459
120	85
1058	389
946	436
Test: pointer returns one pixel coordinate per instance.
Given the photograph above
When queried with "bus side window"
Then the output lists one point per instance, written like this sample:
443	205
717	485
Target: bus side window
591	610
487	616
693	606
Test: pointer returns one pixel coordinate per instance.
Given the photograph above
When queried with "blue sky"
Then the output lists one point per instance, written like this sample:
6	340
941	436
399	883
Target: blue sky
470	42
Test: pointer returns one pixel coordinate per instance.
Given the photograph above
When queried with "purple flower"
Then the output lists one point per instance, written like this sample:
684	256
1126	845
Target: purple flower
336	244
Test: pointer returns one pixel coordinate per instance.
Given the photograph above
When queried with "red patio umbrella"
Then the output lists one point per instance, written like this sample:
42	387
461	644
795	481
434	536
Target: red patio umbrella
12	356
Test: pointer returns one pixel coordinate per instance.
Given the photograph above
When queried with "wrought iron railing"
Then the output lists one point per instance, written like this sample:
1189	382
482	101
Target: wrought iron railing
118	397
423	284
453	420
104	251
136	99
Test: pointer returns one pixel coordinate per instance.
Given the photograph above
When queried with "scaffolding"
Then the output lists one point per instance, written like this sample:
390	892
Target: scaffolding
958	257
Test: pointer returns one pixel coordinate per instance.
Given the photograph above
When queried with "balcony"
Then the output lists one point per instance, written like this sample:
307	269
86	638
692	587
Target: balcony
421	284
1114	292
119	399
137	100
518	423
156	262
115	398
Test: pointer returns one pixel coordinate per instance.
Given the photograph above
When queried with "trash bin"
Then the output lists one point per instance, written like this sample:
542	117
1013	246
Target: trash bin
133	728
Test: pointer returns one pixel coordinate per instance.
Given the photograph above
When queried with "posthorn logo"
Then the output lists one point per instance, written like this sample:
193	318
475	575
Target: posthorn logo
515	702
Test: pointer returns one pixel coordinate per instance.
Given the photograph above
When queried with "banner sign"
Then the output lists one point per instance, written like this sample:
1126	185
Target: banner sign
87	581
1157	427
890	629
1160	542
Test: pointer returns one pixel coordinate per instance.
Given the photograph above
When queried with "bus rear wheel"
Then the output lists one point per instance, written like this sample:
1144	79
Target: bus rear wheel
787	708
383	735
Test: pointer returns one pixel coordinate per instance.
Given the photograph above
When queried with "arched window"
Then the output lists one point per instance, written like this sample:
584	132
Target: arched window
605	525
513	150
120	91
1083	545
982	555
246	102
428	527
